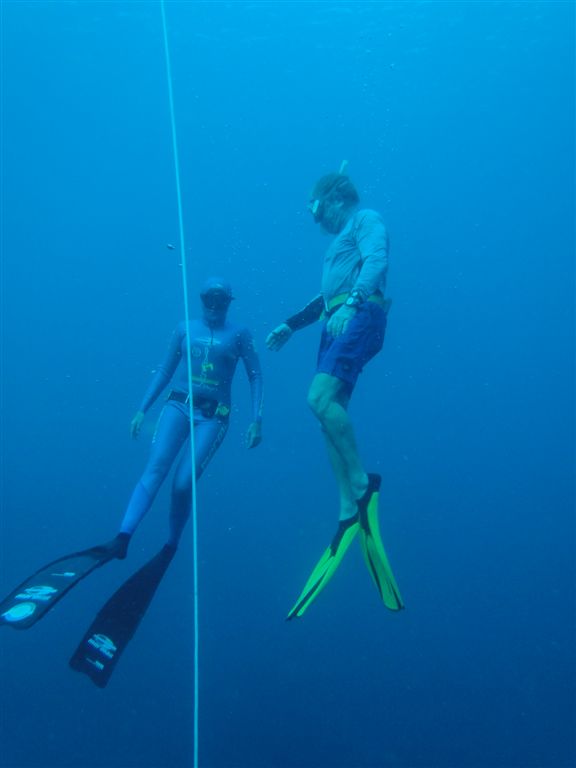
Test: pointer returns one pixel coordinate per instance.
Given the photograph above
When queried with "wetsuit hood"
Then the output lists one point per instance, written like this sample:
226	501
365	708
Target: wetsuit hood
216	285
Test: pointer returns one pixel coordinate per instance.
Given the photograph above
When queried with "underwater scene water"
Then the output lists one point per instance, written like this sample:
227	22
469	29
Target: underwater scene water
457	120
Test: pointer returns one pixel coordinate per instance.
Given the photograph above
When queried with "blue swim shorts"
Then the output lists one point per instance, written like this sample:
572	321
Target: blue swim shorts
345	356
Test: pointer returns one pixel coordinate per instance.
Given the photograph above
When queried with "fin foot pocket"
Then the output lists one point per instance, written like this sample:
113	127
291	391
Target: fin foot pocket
117	549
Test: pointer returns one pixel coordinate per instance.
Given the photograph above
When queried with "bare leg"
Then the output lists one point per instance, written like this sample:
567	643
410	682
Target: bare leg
347	500
328	400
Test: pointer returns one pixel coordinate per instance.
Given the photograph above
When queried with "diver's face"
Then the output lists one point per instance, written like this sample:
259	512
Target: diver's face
332	216
215	307
329	212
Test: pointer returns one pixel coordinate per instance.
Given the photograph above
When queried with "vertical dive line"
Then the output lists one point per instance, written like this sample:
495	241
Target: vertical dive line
189	363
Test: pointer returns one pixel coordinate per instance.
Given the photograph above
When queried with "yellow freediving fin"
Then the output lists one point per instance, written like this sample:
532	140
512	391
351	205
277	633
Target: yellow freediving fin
373	549
326	566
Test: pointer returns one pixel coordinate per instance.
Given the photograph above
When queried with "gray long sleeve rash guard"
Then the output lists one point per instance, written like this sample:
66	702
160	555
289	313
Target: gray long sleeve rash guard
357	258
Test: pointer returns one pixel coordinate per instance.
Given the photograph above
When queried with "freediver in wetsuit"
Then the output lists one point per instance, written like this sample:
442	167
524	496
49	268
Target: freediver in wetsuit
216	345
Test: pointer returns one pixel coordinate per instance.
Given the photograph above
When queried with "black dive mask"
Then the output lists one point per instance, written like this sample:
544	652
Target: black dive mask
216	300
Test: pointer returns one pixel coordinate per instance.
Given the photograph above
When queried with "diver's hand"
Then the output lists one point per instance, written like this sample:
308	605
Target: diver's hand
278	337
136	424
338	323
254	434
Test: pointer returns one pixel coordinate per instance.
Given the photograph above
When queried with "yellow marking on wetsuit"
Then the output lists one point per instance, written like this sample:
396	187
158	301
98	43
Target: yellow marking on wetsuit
204	380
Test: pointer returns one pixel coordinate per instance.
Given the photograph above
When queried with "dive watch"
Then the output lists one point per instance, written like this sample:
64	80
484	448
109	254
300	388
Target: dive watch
354	300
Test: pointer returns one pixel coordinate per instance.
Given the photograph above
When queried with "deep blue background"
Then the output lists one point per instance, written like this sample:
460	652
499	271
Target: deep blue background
458	122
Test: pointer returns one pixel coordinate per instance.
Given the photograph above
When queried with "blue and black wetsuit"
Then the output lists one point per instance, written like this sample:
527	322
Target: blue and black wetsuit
215	352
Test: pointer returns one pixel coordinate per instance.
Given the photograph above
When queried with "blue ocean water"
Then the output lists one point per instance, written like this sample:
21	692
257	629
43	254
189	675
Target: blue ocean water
457	119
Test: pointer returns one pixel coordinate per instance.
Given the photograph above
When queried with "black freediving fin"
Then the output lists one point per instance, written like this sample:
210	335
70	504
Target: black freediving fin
118	620
40	592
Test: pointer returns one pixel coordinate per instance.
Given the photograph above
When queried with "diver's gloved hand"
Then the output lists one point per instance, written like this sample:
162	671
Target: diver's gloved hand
136	424
278	337
254	434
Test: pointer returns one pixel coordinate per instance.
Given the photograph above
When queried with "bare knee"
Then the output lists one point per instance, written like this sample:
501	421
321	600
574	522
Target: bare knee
326	391
318	403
